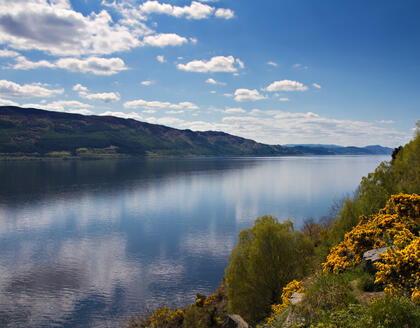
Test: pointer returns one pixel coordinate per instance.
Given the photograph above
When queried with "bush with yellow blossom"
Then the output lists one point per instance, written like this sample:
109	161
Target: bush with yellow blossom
396	225
292	287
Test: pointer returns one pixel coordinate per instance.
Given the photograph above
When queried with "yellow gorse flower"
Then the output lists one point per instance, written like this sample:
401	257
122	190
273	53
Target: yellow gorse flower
292	287
396	225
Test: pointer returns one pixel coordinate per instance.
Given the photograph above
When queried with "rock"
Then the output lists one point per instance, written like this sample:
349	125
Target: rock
234	321
370	257
296	298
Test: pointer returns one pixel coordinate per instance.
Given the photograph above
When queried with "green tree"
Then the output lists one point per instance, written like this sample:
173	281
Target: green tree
266	257
400	175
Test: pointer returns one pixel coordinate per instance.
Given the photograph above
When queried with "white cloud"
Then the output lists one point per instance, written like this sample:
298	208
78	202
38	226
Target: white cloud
144	104
236	110
25	64
286	85
8	53
6	102
271	63
196	10
94	65
224	13
164	40
193	40
215	64
316	85
160	59
240	63
385	122
131	115
214	82
247	95
55	28
149	111
146	82
278	127
174	112
299	66
229	95
106	97
79	87
68	106
11	89
212	91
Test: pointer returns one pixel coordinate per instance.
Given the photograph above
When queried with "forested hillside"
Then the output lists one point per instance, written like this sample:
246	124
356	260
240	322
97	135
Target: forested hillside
37	133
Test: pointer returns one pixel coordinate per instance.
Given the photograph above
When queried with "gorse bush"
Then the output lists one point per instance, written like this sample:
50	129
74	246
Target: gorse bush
291	288
397	226
266	257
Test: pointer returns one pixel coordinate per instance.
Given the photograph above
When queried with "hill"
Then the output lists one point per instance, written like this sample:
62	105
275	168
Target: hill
36	132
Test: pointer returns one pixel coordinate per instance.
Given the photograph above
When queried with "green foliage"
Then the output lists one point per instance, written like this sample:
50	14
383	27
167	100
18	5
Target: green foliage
266	257
327	292
389	312
400	175
393	312
367	283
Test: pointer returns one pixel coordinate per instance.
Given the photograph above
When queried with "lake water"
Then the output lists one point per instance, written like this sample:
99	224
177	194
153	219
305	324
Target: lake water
89	243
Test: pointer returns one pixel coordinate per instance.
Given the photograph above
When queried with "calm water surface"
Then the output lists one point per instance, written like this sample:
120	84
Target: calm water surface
89	243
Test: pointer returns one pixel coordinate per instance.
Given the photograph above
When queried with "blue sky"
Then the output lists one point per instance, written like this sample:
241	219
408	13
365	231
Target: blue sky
279	71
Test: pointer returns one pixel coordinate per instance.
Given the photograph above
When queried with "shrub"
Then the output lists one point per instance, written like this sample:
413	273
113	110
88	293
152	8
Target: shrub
327	292
266	257
396	223
393	312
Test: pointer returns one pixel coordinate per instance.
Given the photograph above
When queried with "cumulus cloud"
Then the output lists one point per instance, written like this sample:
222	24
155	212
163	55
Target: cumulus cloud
195	10
385	122
215	64
236	110
146	82
278	127
8	53
214	82
160	59
299	66
25	64
94	65
247	95
6	102
316	85
54	27
153	105
224	13
106	97
11	89
286	85
132	115
271	63
68	106
164	40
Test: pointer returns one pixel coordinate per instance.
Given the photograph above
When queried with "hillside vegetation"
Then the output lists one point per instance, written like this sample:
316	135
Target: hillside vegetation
321	266
29	132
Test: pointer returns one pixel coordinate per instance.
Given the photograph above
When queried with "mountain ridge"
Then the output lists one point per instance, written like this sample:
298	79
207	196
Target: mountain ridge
40	133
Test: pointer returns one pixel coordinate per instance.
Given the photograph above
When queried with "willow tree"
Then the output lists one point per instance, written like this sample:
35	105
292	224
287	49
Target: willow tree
266	257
